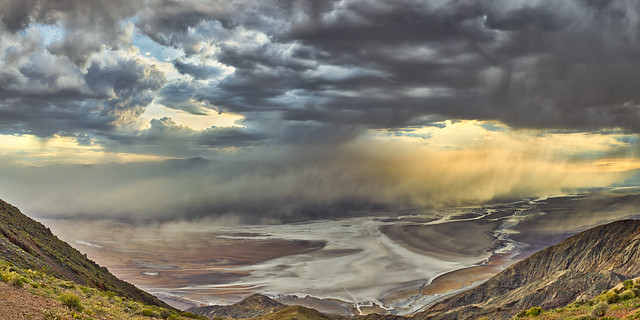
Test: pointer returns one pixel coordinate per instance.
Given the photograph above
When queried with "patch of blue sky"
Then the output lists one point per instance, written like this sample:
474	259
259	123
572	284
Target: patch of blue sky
407	132
632	140
153	49
51	33
490	126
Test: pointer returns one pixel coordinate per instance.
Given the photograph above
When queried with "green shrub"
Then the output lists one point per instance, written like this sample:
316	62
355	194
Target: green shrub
627	295
610	297
18	280
149	313
600	309
627	284
534	312
52	314
192	315
164	313
71	301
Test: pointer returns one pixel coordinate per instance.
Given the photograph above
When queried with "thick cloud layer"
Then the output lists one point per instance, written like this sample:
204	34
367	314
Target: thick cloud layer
541	64
331	64
315	78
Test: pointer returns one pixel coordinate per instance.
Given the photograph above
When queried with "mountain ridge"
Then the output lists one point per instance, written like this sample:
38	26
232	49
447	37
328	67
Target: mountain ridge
578	267
28	244
252	306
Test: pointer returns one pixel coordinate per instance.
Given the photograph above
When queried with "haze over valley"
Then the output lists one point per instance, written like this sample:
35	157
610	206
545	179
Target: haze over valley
352	156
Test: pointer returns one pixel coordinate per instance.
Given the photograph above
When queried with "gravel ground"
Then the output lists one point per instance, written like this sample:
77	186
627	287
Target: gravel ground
18	304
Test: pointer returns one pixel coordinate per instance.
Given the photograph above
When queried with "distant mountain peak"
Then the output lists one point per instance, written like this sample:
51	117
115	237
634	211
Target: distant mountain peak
252	306
259	300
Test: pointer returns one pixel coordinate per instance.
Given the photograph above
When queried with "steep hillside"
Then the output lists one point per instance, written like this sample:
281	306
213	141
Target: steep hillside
28	244
579	267
621	302
28	294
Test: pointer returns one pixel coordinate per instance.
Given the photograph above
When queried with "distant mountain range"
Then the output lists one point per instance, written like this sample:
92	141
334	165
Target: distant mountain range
577	269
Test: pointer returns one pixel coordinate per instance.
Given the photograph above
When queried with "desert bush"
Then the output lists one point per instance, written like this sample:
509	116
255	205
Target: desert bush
533	312
164	313
66	284
600	309
53	314
627	284
193	315
610	297
627	295
71	301
17	281
150	313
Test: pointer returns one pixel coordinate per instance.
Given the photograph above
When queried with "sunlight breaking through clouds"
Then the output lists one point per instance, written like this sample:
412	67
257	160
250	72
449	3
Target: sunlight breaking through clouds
537	86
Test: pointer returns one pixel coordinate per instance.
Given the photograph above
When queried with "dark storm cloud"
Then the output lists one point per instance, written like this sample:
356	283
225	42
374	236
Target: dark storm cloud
127	85
199	72
321	71
179	95
45	94
79	84
89	24
164	137
542	64
165	129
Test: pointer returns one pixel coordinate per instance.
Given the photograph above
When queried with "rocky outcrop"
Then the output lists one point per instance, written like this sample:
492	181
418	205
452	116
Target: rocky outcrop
252	306
579	267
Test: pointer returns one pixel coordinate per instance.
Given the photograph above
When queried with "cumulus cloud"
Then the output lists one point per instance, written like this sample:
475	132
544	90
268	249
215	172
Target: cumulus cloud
46	94
89	25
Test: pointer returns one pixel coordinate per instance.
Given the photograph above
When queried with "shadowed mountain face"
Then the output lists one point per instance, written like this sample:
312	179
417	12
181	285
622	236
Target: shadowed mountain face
28	244
579	267
252	306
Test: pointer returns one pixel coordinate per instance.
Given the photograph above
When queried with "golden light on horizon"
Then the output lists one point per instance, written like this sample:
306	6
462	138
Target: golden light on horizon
193	121
31	150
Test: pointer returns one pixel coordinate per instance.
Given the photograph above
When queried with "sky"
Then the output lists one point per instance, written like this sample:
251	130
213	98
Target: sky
289	110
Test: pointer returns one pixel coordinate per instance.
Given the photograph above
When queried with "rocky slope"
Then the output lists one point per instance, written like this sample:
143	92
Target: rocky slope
252	306
26	294
579	267
20	304
294	313
28	244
